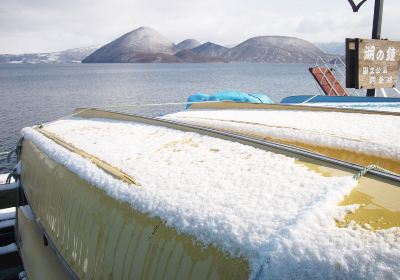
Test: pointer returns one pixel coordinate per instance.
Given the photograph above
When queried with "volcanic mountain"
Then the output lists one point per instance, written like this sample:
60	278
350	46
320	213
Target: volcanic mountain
187	44
274	49
210	49
189	56
129	47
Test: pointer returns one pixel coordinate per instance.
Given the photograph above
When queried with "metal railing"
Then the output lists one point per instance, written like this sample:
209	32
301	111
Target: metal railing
338	69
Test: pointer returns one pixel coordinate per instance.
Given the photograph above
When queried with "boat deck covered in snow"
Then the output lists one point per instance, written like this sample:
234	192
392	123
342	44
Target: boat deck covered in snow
122	196
359	136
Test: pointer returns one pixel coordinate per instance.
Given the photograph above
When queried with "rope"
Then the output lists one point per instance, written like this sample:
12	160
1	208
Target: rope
40	125
309	99
319	88
368	168
124	106
153	104
13	175
16	151
255	97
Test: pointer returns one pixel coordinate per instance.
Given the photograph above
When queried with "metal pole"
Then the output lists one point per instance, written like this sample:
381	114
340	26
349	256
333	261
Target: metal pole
376	30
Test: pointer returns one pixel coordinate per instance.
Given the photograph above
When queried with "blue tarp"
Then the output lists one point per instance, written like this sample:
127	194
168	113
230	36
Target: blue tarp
235	96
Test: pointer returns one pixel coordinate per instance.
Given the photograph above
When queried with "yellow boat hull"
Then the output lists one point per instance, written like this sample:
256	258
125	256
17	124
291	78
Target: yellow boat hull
98	237
102	238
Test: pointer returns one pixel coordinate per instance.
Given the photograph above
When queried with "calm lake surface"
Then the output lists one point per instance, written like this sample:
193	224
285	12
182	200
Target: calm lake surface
33	94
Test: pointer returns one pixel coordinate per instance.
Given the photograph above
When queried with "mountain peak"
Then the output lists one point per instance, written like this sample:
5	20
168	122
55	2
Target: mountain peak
210	49
141	40
145	36
144	28
188	44
274	49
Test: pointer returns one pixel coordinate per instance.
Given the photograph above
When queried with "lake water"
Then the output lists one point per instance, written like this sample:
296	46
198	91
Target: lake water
32	94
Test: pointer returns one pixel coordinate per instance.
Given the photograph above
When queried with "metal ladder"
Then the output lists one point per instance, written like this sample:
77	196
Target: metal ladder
10	261
327	77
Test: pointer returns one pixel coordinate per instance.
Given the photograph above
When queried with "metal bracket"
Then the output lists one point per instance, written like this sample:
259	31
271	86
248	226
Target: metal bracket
356	7
16	151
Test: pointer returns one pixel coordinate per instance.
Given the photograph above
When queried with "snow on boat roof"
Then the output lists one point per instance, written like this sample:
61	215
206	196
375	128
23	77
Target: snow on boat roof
370	134
248	202
377	106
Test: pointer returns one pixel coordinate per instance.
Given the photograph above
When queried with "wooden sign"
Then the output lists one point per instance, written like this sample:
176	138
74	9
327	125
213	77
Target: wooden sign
376	63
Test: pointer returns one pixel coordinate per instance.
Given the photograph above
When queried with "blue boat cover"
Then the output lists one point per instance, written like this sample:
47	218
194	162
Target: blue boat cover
235	96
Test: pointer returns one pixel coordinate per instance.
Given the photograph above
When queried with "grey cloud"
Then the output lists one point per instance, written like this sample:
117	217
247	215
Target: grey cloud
50	25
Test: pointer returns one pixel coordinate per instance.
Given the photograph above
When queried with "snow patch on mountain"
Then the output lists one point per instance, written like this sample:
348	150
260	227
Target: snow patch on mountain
61	57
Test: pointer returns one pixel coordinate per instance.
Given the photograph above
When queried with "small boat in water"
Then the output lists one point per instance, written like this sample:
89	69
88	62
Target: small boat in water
223	190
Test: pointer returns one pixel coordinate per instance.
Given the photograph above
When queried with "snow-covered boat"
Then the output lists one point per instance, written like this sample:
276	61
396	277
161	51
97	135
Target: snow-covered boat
223	190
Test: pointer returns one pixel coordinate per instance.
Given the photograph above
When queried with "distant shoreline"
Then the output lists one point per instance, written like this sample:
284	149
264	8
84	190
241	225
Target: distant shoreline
145	45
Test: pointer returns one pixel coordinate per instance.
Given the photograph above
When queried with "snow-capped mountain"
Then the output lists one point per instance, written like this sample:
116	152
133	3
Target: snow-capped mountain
210	49
274	49
187	44
189	56
68	56
143	40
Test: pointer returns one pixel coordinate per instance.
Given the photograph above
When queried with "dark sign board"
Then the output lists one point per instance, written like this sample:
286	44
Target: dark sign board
372	63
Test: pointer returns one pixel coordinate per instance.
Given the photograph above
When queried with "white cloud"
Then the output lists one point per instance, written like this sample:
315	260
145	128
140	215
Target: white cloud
48	25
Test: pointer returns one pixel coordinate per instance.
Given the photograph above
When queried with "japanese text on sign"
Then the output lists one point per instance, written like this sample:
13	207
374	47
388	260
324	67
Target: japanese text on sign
378	63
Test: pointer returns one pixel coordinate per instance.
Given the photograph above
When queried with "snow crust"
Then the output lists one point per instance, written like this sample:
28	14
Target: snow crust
376	106
3	178
7	223
27	212
7	211
22	275
7	215
262	206
377	135
11	186
8	249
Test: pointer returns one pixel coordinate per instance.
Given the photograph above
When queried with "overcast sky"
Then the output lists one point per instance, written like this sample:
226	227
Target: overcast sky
52	25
